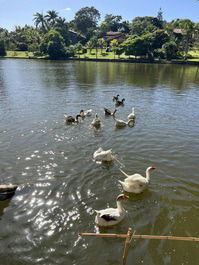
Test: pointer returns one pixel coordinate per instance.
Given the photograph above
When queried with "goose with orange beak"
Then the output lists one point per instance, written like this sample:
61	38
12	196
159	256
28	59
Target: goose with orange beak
111	216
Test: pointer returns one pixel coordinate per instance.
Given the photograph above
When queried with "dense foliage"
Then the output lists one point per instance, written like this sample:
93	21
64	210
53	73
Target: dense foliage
52	44
148	37
2	48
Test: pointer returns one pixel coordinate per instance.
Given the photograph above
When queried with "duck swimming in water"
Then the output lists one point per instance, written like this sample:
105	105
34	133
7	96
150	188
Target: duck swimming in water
86	113
121	123
111	216
96	121
131	116
108	112
101	155
120	102
115	98
71	119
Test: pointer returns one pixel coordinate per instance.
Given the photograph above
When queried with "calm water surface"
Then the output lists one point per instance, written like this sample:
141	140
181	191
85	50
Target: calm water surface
40	224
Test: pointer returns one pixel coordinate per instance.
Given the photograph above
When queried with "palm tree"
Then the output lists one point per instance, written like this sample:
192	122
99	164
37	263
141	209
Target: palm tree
188	29
40	21
102	43
89	45
51	17
93	43
114	46
62	27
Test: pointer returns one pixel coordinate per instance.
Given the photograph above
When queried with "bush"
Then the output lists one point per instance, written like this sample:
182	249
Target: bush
34	47
22	46
69	51
52	45
170	49
159	53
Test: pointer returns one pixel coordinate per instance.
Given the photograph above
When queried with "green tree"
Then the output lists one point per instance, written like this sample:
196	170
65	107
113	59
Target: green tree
51	17
70	51
2	48
85	21
52	45
159	37
111	23
170	49
78	48
62	27
119	50
22	37
137	46
188	34
90	45
160	17
145	44
93	42
101	43
114	23
143	25
114	46
40	22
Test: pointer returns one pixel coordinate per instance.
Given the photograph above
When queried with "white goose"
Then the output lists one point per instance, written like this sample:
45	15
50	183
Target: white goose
131	116
121	123
86	113
136	183
96	121
103	156
111	216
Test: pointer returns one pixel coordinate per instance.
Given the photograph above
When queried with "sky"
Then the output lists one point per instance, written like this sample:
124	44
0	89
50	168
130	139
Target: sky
20	12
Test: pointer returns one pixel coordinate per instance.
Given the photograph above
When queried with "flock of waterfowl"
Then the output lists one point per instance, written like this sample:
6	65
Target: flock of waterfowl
135	183
96	122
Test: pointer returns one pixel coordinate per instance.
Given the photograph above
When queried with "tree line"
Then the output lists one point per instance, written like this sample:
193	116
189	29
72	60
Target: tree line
144	37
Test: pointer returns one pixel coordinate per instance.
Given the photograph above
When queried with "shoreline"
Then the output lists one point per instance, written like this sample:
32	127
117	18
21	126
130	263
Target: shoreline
132	60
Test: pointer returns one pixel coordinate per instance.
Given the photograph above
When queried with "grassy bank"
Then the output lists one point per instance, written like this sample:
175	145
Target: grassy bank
101	54
22	55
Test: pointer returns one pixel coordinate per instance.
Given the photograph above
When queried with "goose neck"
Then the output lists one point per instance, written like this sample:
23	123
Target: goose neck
148	175
120	207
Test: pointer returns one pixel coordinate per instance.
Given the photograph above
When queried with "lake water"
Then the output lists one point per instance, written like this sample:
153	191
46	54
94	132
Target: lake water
40	224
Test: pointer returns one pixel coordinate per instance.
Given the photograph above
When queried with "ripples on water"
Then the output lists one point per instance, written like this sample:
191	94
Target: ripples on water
42	221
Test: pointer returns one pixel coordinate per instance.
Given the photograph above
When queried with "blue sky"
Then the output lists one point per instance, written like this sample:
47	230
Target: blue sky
20	12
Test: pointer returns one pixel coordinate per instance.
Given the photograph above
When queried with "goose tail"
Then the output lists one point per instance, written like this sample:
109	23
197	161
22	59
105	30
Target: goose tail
124	173
121	182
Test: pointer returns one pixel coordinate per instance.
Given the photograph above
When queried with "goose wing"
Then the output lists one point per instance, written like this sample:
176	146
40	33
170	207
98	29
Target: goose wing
107	111
109	213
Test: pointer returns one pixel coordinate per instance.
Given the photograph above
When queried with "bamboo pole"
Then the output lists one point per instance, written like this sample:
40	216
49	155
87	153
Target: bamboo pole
195	239
103	235
127	245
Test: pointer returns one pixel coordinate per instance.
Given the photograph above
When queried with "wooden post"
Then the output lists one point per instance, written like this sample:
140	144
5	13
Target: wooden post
127	245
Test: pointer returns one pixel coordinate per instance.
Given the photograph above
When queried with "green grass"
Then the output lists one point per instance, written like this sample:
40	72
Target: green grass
194	54
18	54
100	55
